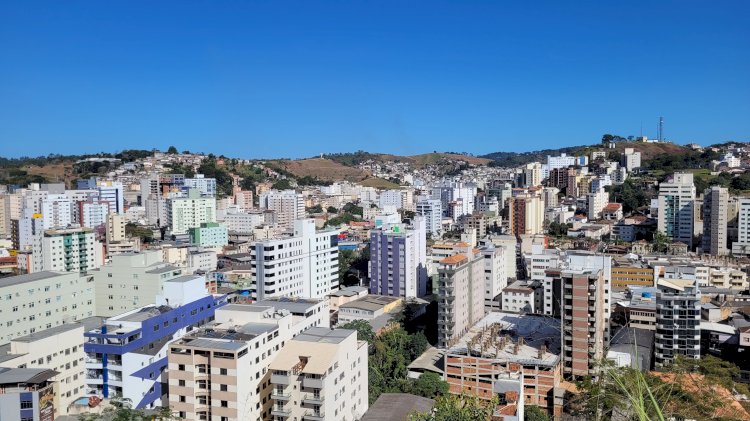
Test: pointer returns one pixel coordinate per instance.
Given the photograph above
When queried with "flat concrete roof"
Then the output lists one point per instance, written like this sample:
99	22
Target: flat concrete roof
295	306
30	277
371	302
397	407
536	331
46	333
348	291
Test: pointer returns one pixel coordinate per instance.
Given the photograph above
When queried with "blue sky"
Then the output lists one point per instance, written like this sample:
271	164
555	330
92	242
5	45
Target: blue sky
294	79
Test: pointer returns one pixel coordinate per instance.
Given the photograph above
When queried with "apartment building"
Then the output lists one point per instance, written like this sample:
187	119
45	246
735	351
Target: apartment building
398	260
496	272
715	219
113	193
59	348
287	205
206	186
28	394
678	314
220	372
631	159
209	234
676	206
526	214
320	375
188	212
70	250
130	281
243	222
92	213
460	293
115	228
304	265
43	300
583	321
57	211
126	355
432	211
741	247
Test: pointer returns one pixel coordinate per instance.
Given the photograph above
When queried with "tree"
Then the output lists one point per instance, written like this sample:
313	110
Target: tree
429	385
172	150
458	408
122	410
364	330
282	184
346	258
332	209
314	209
418	344
534	413
661	242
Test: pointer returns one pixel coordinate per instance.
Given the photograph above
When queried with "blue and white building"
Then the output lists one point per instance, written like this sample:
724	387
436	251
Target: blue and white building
127	355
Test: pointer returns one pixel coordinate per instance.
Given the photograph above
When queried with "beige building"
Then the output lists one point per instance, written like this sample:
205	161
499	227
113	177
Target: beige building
460	293
715	206
345	295
115	228
59	348
220	372
33	302
320	375
130	281
727	278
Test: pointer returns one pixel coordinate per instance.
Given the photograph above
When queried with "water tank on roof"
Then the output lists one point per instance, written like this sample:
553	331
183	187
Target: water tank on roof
646	294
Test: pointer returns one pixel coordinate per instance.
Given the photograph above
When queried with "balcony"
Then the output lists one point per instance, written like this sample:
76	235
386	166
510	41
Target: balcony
312	382
314	416
280	396
313	398
280	412
280	379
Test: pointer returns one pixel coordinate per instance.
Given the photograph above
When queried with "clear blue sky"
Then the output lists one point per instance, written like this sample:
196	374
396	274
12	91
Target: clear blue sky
293	79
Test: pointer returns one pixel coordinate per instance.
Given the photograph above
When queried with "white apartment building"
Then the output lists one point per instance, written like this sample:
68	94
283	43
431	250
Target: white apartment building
59	348
398	260
57	211
715	218
190	212
676	203
207	186
392	198
43	300
113	193
741	247
631	159
460	194
368	195
221	372
70	250
130	281
201	260
432	212
596	203
304	265
496	273
242	222
288	205
321	374
92	213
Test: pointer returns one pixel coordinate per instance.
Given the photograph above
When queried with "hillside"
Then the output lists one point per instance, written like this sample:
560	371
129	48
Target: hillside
320	168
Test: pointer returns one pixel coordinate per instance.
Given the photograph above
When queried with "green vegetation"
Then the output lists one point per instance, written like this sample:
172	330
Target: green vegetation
629	195
314	209
176	168
534	413
516	159
558	230
282	184
677	393
122	410
133	230
458	408
210	169
390	354
341	219
689	159
364	330
172	150
353	209
19	177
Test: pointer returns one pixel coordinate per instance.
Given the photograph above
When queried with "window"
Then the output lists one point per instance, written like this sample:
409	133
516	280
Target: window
27	405
224	404
182	399
181	383
223	388
181	367
223	371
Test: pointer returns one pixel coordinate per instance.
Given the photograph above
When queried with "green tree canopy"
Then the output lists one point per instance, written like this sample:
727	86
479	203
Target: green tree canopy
364	330
429	385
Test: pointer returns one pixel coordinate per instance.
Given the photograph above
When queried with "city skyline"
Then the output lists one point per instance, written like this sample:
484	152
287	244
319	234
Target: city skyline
298	79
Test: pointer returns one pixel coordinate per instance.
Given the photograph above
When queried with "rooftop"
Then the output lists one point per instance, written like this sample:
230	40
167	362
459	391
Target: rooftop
294	305
498	335
46	333
316	347
29	277
348	291
371	302
25	375
397	407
